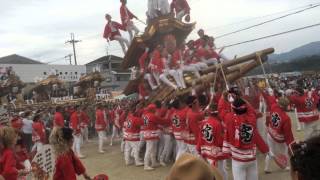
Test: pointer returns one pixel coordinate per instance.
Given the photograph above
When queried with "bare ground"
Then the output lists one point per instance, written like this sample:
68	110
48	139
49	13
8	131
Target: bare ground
112	164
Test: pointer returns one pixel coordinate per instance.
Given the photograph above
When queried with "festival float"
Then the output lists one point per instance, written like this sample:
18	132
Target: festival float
10	84
87	86
48	88
172	33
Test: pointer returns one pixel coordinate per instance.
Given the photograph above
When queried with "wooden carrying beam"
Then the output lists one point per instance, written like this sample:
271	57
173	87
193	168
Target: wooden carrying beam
240	60
233	70
166	93
233	76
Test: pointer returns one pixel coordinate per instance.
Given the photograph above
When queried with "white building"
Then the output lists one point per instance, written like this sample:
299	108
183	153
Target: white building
109	66
31	71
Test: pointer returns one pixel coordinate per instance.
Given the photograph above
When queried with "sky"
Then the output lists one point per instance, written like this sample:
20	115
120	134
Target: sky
38	29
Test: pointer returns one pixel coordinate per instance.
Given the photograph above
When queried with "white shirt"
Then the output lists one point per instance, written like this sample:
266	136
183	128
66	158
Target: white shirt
113	29
27	126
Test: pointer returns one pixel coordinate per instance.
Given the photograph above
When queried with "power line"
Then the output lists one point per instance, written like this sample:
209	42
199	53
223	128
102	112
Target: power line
265	22
55	60
259	17
272	35
92	36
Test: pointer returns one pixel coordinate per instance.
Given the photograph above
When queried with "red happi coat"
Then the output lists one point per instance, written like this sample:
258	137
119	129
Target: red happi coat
38	132
58	120
126	15
210	139
85	120
8	165
142	91
167	126
306	107
180	6
150	126
199	43
178	119
188	56
100	123
279	125
112	29
224	107
269	100
161	112
156	63
211	53
122	118
75	122
22	155
16	123
216	97
132	128
242	138
193	119
67	167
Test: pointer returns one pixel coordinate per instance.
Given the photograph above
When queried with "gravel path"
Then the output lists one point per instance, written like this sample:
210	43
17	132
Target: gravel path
112	164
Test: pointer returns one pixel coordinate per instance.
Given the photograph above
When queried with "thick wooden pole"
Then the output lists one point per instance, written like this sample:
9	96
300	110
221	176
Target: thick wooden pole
240	60
232	76
233	69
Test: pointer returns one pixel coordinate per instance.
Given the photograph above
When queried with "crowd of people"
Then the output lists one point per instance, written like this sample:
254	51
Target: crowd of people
29	130
215	127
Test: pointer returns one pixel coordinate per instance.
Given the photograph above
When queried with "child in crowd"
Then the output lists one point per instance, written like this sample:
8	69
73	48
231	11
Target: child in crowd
68	165
8	162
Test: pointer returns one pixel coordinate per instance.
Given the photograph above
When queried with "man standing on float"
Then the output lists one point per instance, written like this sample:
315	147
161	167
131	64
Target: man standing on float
111	32
126	18
157	8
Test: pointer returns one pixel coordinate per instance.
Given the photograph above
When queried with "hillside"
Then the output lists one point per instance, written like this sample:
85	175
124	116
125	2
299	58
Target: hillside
297	53
311	63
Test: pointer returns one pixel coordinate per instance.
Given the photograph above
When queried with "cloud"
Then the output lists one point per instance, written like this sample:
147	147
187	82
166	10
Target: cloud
39	28
8	7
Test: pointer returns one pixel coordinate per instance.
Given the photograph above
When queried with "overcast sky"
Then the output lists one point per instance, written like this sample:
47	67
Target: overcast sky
38	29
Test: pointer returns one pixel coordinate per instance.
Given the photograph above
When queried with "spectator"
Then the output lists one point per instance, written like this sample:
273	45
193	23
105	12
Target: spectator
305	159
189	167
68	165
27	130
8	161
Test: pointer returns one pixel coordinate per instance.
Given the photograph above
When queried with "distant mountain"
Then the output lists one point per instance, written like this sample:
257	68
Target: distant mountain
297	53
310	63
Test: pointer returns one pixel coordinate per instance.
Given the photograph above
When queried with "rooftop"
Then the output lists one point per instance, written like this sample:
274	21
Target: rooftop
17	59
104	59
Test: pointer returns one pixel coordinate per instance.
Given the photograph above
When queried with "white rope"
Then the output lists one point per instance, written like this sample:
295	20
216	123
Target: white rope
224	76
263	70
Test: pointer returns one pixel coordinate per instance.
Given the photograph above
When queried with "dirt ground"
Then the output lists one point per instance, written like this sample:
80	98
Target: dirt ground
112	164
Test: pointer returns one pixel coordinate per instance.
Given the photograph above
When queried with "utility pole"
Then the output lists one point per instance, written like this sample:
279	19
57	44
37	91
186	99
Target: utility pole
69	57
108	58
73	42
